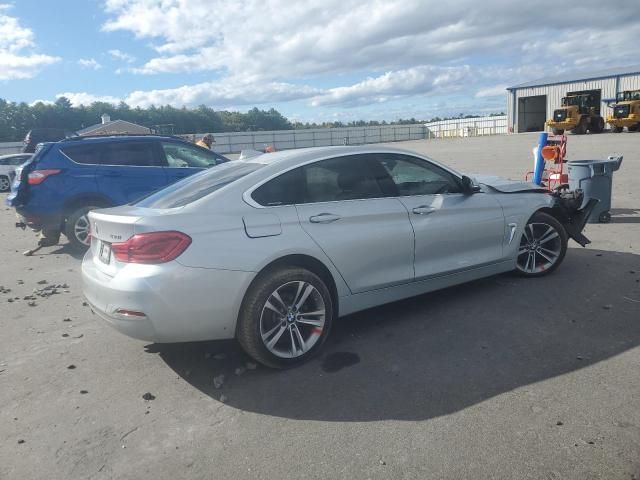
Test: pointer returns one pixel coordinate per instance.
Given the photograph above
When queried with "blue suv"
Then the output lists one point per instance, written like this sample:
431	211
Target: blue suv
63	181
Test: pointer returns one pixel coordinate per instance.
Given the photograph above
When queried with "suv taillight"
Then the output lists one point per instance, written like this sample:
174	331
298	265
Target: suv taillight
153	247
38	176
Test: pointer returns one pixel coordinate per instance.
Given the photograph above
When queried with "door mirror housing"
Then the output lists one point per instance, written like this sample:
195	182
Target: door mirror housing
468	186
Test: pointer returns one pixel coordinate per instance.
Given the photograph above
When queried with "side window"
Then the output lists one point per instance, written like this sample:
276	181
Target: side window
85	154
132	154
181	155
414	176
286	189
342	178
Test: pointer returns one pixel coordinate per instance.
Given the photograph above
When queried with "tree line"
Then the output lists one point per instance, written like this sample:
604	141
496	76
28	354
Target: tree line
16	119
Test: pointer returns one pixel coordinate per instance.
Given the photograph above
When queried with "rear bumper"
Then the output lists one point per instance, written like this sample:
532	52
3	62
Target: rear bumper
39	222
180	304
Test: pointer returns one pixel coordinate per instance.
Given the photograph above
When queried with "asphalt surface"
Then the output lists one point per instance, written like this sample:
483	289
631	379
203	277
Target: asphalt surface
501	378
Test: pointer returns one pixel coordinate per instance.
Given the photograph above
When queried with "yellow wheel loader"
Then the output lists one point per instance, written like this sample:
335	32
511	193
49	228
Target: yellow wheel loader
580	112
626	112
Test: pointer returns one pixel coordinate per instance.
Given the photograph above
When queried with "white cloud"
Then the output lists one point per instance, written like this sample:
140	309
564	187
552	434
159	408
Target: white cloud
396	84
222	94
89	63
83	98
17	59
280	39
120	55
495	91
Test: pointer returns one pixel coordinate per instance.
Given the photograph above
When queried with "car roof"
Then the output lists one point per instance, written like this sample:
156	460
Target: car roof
288	158
120	138
12	155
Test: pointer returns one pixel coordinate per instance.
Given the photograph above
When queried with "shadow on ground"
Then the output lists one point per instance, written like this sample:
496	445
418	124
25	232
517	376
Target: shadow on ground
441	352
625	215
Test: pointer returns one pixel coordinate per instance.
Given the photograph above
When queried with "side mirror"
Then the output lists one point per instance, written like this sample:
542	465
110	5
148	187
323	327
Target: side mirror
468	186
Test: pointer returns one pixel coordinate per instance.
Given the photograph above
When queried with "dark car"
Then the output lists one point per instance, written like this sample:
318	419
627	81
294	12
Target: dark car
41	135
54	191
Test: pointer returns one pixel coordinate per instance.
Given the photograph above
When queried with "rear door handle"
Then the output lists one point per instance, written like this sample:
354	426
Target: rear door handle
423	210
324	218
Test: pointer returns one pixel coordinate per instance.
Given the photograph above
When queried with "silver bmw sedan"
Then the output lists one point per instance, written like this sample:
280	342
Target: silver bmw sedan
272	249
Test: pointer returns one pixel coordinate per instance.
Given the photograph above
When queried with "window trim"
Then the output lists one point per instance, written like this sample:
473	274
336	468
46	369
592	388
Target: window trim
248	199
454	175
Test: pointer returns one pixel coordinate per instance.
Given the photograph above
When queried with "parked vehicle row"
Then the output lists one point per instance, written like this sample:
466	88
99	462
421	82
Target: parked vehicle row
272	249
8	164
54	189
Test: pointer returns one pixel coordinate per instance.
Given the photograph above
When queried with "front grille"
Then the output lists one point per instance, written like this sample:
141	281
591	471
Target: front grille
621	111
559	115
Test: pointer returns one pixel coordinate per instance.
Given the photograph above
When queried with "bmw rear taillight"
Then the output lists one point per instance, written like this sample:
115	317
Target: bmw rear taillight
152	247
38	176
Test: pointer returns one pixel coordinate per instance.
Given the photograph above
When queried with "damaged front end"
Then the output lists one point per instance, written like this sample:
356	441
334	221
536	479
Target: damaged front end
567	209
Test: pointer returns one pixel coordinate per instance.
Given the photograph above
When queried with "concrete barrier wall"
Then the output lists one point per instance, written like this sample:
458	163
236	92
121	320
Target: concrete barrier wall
8	148
467	127
287	139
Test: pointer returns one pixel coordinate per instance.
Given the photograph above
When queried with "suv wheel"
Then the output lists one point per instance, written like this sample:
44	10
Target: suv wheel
5	185
285	317
76	228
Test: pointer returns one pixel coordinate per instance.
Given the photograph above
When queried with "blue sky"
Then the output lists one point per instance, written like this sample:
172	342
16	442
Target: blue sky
309	59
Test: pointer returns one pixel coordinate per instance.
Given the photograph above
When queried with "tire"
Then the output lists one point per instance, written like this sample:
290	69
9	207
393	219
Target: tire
617	129
543	246
634	128
582	126
604	217
5	184
269	330
74	228
597	125
558	131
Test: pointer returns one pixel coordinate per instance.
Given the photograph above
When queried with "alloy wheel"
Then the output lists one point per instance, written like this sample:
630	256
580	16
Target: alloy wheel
540	248
81	230
4	184
292	319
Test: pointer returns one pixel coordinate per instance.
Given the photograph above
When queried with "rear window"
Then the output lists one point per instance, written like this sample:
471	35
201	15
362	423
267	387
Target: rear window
199	185
85	154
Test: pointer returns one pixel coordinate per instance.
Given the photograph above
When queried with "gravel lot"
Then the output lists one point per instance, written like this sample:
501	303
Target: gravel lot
501	378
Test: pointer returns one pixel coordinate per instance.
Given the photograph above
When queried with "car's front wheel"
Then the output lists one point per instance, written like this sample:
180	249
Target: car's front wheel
542	247
285	317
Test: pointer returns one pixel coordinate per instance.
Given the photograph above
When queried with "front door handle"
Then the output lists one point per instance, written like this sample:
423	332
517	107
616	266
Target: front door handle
324	218
423	210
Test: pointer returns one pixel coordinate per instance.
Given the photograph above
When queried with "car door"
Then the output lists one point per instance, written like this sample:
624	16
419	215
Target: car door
129	170
454	231
183	159
367	237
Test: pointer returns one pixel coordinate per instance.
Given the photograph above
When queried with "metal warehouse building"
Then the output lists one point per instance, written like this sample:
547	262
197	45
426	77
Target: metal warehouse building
530	104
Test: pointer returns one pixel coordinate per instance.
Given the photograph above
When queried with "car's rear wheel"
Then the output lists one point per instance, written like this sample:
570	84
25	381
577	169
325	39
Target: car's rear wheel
285	317
542	247
5	184
77	229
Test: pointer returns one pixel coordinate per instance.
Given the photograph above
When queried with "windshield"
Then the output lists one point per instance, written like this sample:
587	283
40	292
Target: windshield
198	186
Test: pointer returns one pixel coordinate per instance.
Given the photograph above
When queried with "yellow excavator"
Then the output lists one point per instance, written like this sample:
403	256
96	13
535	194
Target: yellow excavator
626	112
579	112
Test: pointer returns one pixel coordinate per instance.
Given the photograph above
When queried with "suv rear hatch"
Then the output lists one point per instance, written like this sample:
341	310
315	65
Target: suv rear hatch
20	187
